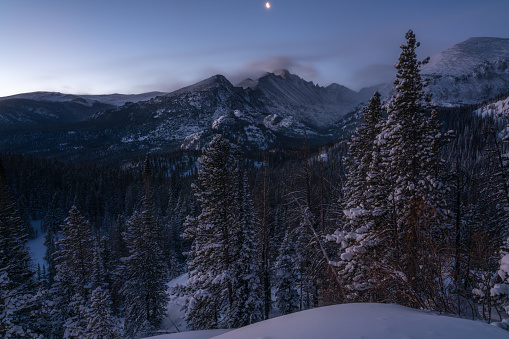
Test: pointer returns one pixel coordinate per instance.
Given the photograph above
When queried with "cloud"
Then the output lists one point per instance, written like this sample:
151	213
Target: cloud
257	68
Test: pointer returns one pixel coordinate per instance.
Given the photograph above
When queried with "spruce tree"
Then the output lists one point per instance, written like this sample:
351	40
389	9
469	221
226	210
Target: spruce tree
16	276
286	279
222	284
71	290
247	307
360	216
144	271
409	171
102	324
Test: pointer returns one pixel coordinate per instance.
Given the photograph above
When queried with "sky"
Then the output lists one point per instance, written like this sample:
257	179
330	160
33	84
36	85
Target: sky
136	46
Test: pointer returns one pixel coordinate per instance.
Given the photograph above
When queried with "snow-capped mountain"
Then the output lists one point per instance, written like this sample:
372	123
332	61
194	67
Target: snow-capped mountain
277	109
469	72
288	95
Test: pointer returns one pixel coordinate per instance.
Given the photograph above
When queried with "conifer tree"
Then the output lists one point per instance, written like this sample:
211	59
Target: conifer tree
287	296
360	192
395	198
223	274
360	155
102	324
16	277
246	265
14	257
144	271
410	144
71	290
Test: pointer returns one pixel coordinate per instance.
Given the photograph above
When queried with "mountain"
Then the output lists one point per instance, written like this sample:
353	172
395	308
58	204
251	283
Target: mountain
288	95
47	109
469	72
278	109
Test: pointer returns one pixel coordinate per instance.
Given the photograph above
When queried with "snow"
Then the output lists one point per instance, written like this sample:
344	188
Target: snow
192	335
357	321
470	72
466	56
36	246
496	109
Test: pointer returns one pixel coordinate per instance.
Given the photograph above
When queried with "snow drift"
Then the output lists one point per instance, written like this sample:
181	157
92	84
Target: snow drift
356	321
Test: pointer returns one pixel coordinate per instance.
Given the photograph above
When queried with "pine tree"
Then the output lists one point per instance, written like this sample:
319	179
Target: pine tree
144	271
410	144
14	257
360	155
223	270
360	192
16	277
247	304
286	279
102	324
395	199
71	290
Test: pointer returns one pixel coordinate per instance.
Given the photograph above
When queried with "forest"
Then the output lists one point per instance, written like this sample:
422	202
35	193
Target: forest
412	209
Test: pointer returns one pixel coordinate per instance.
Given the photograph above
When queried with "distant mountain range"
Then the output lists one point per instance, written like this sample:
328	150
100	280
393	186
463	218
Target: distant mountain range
278	109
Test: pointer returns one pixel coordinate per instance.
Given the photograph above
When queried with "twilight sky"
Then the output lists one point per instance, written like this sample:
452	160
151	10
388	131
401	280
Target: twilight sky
134	46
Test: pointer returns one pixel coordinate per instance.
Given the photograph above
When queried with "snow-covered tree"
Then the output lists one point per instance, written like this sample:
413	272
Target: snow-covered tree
71	290
102	324
144	271
360	155
395	196
410	142
360	202
246	265
286	278
223	271
16	276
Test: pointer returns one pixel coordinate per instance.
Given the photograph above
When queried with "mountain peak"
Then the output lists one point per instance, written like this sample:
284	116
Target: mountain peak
215	81
283	73
467	56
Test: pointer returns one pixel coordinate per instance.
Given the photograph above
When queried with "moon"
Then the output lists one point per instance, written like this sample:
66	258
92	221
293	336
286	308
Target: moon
267	5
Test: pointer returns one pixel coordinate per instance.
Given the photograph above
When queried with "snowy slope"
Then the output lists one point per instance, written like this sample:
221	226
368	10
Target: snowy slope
466	56
287	95
357	321
499	108
36	246
470	72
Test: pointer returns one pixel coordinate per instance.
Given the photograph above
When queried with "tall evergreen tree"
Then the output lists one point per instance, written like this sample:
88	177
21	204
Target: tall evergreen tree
410	143
144	271
360	193
396	212
223	274
247	307
286	279
16	276
71	290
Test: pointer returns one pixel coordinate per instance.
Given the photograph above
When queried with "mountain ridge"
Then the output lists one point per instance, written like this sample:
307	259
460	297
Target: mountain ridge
275	110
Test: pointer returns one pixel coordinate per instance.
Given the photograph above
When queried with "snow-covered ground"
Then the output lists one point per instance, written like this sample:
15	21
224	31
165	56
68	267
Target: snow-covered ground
338	321
356	321
36	246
